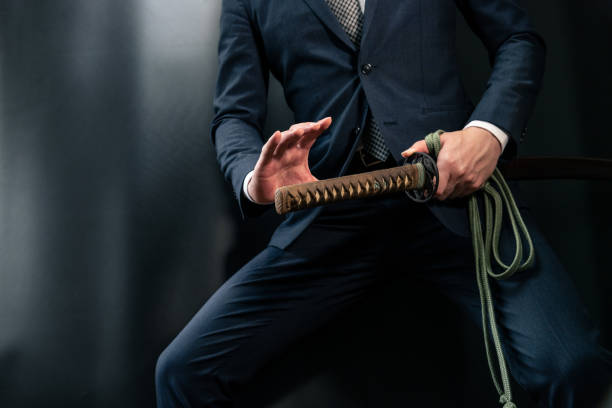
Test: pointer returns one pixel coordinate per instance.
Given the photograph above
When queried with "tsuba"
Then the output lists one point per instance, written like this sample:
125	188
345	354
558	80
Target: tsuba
431	177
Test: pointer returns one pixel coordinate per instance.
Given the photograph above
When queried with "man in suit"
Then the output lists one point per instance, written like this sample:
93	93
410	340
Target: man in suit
381	74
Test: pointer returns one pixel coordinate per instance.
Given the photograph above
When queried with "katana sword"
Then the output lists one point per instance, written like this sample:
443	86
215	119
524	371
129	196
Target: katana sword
370	184
418	177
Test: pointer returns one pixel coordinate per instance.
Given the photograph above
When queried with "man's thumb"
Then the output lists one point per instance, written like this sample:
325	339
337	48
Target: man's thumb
418	146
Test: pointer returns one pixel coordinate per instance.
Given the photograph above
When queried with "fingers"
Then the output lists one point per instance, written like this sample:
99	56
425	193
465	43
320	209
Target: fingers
311	130
460	181
453	176
325	122
419	146
466	186
289	138
312	133
461	189
300	135
444	185
267	151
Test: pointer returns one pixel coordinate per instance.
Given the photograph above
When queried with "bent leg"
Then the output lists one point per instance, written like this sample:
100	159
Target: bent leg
551	342
548	338
268	304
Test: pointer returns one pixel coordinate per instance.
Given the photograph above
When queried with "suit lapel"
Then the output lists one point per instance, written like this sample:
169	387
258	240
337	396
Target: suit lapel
327	17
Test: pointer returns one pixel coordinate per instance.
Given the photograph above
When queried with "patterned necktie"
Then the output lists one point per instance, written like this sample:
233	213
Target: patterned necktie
350	17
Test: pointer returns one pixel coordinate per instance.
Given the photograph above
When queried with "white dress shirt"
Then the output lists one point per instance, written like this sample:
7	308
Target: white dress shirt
499	134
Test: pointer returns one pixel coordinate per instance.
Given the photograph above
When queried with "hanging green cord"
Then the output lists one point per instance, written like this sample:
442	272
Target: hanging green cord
496	194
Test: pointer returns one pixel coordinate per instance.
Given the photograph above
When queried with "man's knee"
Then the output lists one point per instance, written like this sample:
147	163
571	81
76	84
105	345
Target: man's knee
581	375
182	379
171	370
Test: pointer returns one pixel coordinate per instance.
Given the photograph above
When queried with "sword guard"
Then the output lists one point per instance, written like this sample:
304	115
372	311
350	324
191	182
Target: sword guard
431	177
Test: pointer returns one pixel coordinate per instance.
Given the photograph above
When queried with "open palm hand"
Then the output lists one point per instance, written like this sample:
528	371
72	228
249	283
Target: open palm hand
284	160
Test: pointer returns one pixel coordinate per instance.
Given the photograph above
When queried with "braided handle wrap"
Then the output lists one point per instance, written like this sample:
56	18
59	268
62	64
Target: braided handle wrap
362	185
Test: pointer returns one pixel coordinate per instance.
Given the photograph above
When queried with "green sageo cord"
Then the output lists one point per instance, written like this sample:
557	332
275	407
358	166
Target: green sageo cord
496	194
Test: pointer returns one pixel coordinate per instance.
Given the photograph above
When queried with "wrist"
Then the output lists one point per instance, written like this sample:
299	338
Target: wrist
252	192
495	140
245	186
487	136
501	136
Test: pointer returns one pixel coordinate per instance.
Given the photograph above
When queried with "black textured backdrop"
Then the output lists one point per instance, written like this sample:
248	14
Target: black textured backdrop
115	223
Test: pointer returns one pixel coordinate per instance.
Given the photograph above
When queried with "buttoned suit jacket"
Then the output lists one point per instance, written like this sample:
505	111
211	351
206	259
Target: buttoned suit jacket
412	83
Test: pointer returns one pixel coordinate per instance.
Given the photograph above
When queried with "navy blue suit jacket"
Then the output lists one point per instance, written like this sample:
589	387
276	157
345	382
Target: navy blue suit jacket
414	87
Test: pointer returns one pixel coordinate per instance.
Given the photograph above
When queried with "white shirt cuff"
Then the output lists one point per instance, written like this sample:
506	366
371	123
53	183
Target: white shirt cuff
245	185
497	132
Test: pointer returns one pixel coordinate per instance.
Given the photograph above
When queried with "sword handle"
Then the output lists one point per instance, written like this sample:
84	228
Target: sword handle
362	185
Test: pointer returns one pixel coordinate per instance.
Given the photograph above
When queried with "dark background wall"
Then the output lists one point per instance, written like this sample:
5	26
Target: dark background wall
116	225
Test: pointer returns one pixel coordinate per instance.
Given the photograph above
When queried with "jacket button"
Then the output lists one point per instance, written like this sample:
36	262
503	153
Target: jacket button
357	130
366	68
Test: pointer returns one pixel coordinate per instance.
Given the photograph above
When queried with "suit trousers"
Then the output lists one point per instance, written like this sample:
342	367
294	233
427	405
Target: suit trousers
282	295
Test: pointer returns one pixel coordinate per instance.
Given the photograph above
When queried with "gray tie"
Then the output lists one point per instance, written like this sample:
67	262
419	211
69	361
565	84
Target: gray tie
350	17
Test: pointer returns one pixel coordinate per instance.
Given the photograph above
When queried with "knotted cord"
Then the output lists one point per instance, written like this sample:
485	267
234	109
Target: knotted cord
496	194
